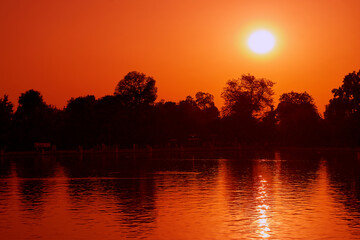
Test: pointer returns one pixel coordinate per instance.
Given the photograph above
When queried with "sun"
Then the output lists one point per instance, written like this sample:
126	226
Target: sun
261	41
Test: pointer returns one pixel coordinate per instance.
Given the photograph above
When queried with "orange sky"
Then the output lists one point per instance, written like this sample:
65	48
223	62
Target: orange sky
70	48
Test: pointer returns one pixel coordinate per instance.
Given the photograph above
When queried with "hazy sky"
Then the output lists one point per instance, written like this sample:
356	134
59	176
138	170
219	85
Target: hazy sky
70	48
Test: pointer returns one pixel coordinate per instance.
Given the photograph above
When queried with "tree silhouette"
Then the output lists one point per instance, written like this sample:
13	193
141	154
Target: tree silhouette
204	100
248	96
29	102
167	123
131	116
33	121
208	116
189	118
298	119
79	117
346	100
137	88
343	111
109	114
268	127
247	99
6	112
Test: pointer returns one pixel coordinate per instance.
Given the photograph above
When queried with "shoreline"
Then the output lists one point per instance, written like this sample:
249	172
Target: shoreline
177	150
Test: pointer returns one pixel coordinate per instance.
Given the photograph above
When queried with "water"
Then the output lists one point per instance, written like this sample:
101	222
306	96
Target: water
213	195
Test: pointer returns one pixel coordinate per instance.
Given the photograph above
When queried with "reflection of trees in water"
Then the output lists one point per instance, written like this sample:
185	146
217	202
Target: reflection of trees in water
105	166
35	166
33	185
5	167
187	174
130	201
257	186
344	172
298	170
130	184
5	185
120	186
135	199
32	196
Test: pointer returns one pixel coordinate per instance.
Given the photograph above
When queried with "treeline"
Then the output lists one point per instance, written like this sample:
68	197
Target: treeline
132	116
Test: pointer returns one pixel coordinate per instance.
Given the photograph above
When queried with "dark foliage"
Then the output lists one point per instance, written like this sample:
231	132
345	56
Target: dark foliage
299	120
342	114
136	89
247	100
131	118
34	121
6	114
247	96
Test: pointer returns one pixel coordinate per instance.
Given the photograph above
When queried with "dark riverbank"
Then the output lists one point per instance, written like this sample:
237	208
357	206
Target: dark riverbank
180	149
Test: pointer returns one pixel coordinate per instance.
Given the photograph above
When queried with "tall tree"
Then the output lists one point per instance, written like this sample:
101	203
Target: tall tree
248	96
6	112
298	119
343	111
346	101
167	123
32	120
29	102
204	100
188	114
80	121
208	115
247	99
137	88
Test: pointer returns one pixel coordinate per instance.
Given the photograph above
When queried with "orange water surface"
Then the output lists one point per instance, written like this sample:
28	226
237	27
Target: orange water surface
213	195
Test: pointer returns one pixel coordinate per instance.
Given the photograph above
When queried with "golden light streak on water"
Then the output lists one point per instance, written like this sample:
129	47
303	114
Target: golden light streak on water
262	208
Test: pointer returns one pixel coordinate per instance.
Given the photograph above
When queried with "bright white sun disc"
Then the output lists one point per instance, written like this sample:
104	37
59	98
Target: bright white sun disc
261	41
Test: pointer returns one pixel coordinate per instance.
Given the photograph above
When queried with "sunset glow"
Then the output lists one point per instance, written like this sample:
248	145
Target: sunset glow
69	49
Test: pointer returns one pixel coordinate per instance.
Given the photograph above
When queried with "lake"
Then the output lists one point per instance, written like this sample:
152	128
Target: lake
298	194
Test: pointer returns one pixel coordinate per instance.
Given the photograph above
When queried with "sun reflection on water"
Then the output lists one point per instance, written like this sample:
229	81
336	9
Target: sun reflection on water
262	208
